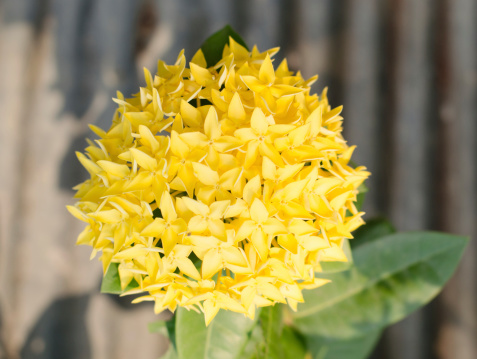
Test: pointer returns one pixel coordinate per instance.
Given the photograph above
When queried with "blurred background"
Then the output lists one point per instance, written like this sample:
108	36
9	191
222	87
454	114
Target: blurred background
405	71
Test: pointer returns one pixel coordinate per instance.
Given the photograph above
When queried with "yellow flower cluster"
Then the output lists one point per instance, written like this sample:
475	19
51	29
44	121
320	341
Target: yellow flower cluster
220	187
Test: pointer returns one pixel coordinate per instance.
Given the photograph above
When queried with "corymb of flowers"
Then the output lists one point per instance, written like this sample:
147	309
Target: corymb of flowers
221	187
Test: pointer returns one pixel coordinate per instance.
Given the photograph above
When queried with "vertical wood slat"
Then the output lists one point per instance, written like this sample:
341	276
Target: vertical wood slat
410	173
362	125
314	43
188	26
263	27
42	265
15	78
410	158
458	331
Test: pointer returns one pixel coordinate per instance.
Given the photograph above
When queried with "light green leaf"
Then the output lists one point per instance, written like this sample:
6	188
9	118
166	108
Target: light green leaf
372	230
111	282
166	328
271	339
170	354
392	277
355	348
214	45
294	346
361	196
224	338
158	327
254	344
271	322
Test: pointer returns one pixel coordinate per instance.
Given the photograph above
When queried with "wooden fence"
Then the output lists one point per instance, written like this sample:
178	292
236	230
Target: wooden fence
405	70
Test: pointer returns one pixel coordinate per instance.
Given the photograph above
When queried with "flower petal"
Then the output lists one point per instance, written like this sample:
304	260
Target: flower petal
187	267
260	242
211	124
155	229
205	174
217	209
210	311
258	211
253	83
266	73
190	115
236	111
245	230
252	189
114	169
167	207
269	170
195	206
259	122
197	224
143	159
211	264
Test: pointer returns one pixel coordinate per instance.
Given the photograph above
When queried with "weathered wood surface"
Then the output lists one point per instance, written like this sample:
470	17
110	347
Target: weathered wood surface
406	71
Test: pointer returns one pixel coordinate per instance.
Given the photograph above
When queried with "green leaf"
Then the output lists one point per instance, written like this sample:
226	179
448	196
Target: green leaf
361	196
253	346
158	327
269	338
112	284
224	338
213	47
372	230
271	321
171	331
355	348
336	266
166	328
170	354
293	343
391	278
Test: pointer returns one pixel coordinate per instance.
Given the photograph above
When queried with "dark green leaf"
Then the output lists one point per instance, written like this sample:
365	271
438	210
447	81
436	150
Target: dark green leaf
355	348
171	331
157	213
213	47
197	103
391	278
372	230
111	282
224	338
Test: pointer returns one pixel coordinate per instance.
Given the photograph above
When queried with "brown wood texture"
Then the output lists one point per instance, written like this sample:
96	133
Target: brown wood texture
405	70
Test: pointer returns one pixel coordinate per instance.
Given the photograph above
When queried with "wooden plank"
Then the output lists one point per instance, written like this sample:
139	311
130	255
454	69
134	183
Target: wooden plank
47	277
458	110
409	180
363	109
264	28
314	51
15	94
188	26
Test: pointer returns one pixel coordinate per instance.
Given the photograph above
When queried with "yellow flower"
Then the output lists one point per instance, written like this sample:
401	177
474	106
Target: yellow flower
238	204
